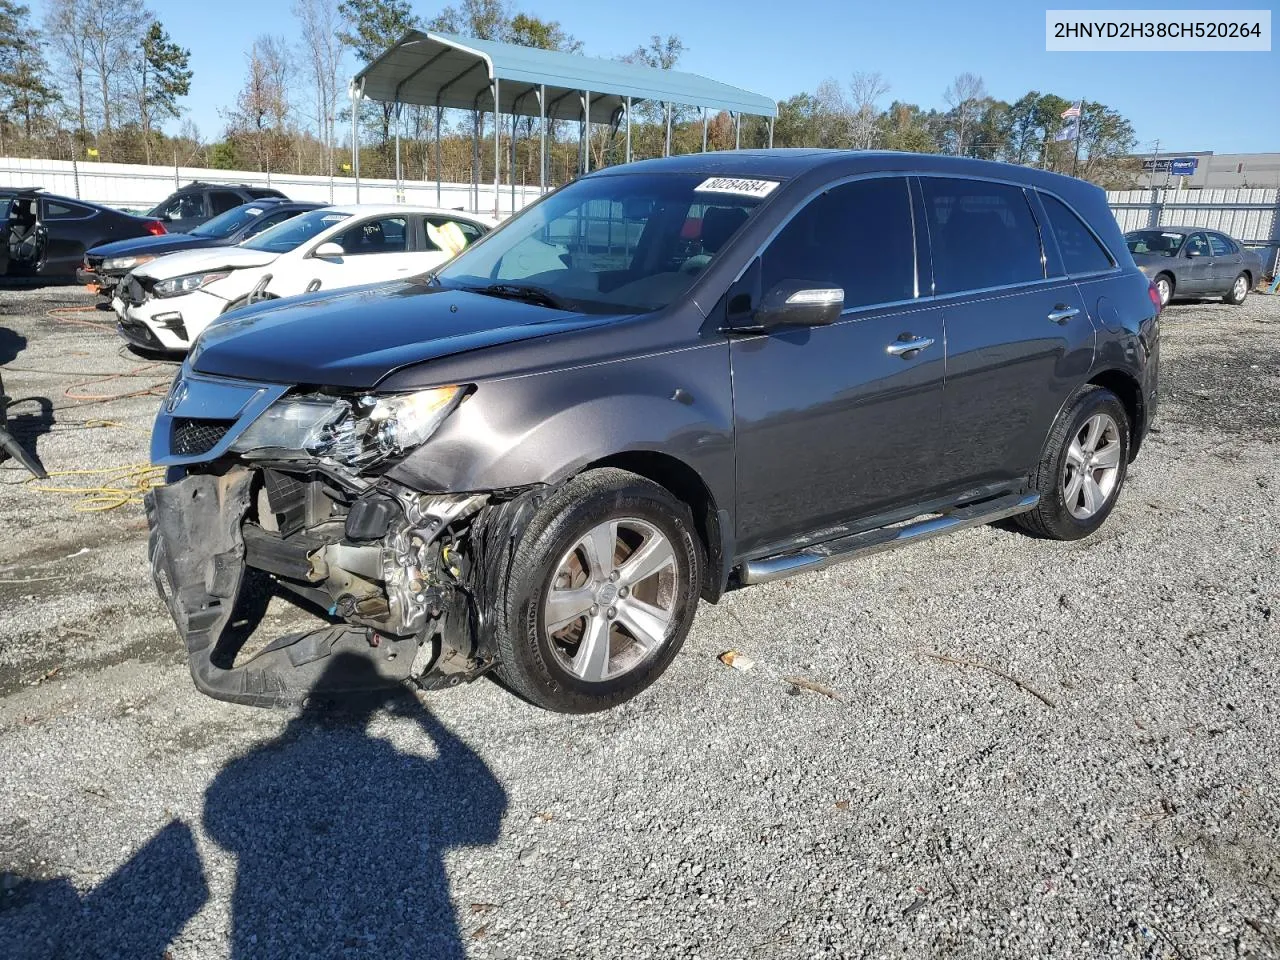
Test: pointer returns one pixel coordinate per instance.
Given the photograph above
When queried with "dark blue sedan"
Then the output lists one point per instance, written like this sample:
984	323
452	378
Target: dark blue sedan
106	265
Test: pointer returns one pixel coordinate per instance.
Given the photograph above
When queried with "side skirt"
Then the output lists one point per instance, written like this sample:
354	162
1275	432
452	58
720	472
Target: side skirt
829	552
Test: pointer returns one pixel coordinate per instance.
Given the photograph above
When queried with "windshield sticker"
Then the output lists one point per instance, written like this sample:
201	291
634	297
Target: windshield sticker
1172	236
749	188
254	211
333	218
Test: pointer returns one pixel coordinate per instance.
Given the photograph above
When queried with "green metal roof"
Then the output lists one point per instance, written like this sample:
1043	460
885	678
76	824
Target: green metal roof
451	71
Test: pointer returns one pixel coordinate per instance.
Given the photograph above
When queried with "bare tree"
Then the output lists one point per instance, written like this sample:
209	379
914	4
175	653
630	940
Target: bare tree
62	27
865	91
258	119
831	115
965	97
113	31
322	49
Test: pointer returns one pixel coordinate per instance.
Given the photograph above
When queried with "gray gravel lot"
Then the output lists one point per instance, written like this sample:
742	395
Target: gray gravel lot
934	809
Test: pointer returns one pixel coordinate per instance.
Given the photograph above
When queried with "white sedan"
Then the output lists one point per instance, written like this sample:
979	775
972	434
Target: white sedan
164	304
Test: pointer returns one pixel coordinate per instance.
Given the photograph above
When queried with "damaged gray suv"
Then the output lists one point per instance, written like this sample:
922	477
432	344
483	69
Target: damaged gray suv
661	382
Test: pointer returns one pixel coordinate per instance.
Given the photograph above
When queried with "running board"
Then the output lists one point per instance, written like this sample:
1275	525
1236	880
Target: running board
885	538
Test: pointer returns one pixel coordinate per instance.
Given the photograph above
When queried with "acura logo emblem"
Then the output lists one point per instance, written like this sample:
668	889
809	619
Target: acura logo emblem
177	393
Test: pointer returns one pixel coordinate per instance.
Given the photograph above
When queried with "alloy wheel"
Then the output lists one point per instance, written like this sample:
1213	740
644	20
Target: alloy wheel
611	599
1164	289
1240	289
1093	466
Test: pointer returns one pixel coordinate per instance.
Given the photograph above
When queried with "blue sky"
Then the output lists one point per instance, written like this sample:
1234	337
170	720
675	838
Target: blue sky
1190	101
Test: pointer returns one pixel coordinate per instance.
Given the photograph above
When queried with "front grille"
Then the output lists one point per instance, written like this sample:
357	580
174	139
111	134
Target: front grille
139	334
195	436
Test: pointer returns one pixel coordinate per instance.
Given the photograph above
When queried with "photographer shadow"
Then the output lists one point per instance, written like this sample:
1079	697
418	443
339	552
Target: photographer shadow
340	837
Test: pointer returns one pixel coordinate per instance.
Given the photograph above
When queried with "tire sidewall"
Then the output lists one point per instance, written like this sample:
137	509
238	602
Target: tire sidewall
1168	282
1231	294
1065	526
565	520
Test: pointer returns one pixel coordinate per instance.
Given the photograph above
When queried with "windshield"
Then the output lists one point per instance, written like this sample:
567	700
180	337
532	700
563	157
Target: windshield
225	224
611	244
1160	242
295	231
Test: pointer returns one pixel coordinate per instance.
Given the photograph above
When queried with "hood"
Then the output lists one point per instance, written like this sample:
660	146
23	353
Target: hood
356	337
197	261
154	246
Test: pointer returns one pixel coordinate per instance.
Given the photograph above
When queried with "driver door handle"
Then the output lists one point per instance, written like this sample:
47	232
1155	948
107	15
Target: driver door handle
911	345
1062	313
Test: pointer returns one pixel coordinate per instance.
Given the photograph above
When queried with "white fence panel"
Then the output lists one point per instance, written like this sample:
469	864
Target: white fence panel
136	186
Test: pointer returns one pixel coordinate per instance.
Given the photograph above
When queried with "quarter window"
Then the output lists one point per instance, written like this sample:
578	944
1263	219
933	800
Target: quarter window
1081	252
1221	246
387	235
982	234
54	210
857	236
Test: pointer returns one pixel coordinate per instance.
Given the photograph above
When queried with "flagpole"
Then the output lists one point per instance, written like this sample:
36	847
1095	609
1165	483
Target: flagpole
1075	162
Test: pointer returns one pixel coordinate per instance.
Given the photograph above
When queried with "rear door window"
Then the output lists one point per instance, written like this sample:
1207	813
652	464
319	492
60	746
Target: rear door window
982	234
1081	252
857	236
1221	246
223	200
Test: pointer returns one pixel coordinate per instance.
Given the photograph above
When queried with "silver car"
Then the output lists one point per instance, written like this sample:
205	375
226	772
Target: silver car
1189	262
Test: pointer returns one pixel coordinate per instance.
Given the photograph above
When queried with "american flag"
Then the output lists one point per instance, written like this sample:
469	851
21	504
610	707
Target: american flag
1072	111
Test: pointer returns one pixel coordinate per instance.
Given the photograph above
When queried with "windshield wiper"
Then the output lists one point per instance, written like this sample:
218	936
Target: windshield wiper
523	291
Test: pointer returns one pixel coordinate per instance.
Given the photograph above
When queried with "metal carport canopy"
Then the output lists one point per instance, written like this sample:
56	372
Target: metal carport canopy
441	69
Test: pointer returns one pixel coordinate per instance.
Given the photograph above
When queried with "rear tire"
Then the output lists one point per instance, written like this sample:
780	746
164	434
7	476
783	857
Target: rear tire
631	623
1239	290
1083	466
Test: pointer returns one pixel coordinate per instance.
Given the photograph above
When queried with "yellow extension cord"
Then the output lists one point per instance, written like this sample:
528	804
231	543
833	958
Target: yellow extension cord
119	486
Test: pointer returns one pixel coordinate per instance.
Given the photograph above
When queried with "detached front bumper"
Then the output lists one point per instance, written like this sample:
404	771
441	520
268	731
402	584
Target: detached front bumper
197	558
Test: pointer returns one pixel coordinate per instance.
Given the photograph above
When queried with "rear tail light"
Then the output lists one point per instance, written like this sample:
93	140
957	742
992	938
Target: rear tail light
1154	294
156	228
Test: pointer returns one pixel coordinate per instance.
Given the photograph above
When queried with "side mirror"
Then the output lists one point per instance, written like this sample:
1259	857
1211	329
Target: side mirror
329	251
1194	252
795	303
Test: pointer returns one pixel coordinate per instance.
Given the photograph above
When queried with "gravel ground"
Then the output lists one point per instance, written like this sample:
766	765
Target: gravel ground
1110	791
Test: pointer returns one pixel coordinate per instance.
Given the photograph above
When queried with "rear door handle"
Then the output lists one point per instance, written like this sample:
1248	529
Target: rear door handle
901	347
1062	313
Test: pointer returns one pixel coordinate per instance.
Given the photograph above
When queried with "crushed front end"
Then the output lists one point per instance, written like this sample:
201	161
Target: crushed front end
291	485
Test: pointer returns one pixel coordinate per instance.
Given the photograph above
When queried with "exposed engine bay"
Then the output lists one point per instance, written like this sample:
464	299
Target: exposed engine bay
404	578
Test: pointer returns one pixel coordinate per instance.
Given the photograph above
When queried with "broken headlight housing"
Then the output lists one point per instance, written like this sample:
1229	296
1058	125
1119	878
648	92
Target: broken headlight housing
356	432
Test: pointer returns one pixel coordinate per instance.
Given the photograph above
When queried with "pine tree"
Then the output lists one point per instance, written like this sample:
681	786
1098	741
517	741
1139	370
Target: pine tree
164	76
23	91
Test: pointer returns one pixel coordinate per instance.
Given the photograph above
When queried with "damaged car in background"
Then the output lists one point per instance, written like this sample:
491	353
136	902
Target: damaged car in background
658	383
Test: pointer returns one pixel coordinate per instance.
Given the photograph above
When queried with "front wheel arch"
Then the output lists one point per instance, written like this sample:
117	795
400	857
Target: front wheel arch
686	485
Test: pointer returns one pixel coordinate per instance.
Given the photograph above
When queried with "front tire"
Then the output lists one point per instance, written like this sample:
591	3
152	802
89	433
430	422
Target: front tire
1083	466
1239	290
1164	287
603	588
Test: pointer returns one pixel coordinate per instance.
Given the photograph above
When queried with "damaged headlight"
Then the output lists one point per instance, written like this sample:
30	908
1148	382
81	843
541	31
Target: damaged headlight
355	432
